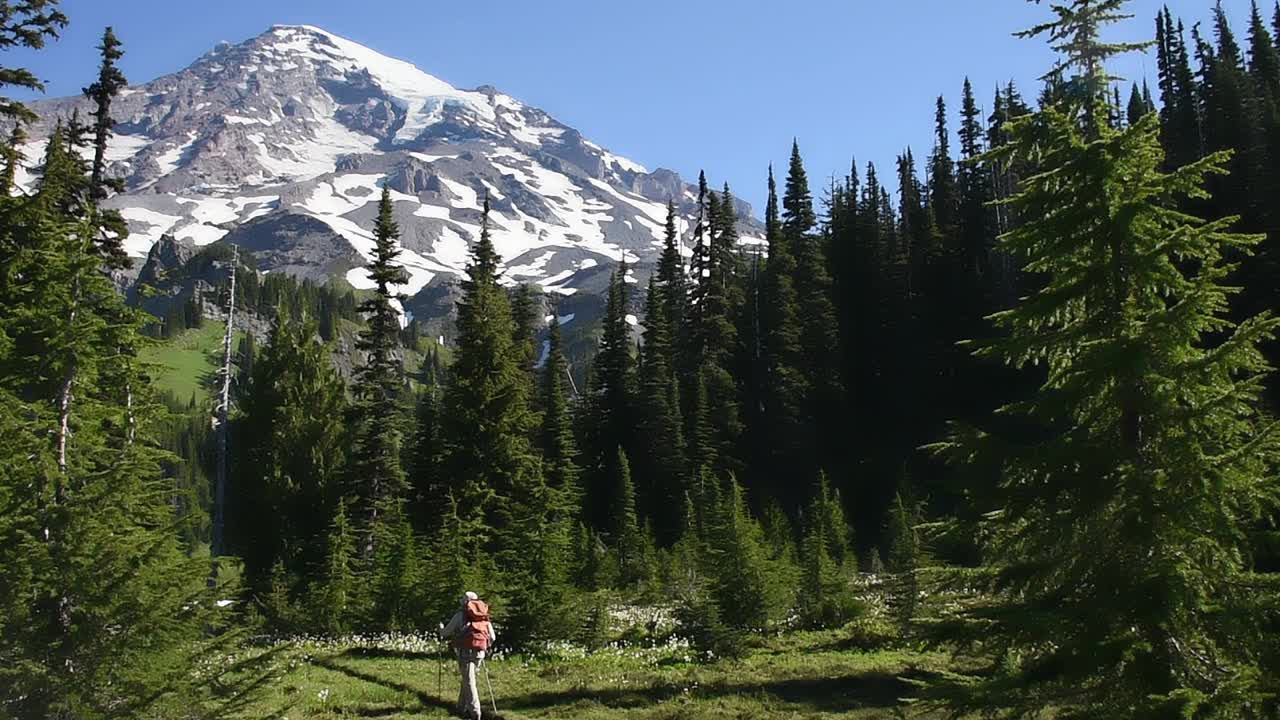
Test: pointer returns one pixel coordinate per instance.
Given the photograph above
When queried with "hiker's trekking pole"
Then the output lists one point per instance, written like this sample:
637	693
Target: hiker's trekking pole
492	698
440	665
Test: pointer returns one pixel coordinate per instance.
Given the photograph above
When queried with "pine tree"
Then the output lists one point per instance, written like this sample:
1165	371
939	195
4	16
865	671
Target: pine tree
396	574
1139	408
633	556
674	283
339	603
377	477
13	158
942	172
974	187
524	315
26	25
786	389
662	458
428	484
558	445
903	558
819	331
487	425
1136	107
612	413
1264	62
101	612
745	591
291	453
109	84
825	598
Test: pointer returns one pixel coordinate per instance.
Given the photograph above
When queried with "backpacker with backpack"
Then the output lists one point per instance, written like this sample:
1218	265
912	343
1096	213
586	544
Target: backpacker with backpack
475	634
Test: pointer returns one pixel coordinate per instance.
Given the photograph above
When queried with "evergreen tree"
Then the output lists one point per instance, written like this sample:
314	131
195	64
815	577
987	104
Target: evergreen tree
1264	62
612	413
674	284
558	446
291	450
109	84
428	486
786	390
26	25
633	559
744	586
825	598
903	559
339	603
1138	409
524	315
942	172
377	478
820	358
102	614
662	442
487	425
974	216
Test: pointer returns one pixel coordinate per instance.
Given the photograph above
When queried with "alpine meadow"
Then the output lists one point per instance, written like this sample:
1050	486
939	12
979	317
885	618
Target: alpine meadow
331	390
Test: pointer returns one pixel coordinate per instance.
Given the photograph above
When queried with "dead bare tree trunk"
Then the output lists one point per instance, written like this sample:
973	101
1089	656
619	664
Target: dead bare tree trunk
217	546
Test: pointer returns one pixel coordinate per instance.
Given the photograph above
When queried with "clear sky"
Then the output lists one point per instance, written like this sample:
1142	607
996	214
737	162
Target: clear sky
686	84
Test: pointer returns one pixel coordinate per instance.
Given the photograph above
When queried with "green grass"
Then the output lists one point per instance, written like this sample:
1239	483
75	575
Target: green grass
797	675
185	363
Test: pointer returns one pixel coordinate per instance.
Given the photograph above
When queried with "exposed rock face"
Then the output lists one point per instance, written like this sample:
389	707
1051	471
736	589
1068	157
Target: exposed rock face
283	142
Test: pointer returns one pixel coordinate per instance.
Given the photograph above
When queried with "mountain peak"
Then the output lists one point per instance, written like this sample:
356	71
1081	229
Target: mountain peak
282	144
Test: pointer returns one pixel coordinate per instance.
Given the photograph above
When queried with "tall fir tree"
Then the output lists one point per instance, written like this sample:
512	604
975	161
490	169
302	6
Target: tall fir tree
487	424
942	172
558	445
790	445
290	454
108	85
1139	407
612	413
661	460
377	479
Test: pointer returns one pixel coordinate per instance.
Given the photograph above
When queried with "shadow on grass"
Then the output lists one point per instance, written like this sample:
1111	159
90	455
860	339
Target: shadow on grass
382	654
869	690
425	700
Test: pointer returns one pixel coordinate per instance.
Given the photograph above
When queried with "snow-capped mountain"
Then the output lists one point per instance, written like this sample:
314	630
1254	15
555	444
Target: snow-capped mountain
281	144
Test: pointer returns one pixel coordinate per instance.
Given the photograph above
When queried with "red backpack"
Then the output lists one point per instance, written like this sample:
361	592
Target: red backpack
475	635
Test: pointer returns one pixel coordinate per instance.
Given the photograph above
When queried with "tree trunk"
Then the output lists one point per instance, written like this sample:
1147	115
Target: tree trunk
224	405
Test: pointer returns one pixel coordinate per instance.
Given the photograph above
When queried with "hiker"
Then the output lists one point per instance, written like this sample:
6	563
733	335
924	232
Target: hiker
471	634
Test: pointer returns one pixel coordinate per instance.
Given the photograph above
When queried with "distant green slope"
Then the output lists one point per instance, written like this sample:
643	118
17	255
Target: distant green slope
186	363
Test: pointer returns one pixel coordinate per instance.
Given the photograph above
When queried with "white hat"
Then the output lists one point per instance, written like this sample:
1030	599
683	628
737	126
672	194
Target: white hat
468	596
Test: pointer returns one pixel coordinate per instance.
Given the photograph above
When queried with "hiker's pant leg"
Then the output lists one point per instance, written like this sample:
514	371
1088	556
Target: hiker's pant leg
468	695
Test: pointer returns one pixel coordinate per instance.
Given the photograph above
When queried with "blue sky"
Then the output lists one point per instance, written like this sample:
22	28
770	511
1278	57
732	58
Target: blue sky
686	84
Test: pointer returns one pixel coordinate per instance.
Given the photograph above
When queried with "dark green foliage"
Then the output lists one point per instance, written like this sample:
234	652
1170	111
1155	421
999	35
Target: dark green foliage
790	446
698	619
110	82
291	450
826	597
557	443
428	496
25	24
376	478
748	594
102	613
628	540
942	172
396	575
338	598
1149	444
661	459
611	413
903	559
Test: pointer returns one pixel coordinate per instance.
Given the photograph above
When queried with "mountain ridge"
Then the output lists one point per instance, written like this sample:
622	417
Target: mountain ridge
282	143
